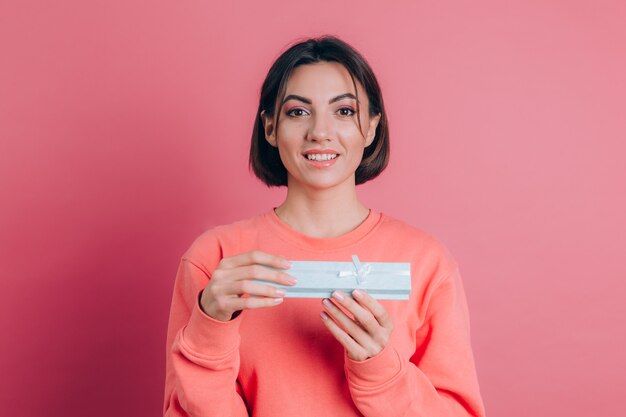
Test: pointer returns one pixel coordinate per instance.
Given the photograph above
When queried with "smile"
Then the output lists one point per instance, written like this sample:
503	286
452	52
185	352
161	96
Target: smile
321	156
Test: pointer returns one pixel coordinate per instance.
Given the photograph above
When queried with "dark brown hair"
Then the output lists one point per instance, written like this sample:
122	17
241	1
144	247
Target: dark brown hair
264	158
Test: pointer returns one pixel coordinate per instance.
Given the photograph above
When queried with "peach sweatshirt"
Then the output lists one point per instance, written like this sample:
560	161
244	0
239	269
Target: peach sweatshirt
282	361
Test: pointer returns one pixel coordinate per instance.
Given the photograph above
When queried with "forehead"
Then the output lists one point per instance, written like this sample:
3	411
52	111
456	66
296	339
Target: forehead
322	79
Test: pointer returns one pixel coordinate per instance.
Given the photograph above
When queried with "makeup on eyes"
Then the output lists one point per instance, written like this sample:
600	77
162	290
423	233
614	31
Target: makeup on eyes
343	107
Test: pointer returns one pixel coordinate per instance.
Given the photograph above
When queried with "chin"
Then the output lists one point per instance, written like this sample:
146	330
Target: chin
320	184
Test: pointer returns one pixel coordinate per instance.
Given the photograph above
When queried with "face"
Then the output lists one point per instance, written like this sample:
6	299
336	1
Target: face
318	136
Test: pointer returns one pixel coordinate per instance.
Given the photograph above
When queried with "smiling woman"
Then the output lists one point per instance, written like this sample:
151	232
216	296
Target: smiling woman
320	141
238	347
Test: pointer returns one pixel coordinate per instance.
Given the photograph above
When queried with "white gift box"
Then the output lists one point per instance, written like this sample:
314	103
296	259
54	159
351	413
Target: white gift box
318	279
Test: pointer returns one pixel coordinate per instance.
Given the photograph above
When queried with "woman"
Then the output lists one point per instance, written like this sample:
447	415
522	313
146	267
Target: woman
238	347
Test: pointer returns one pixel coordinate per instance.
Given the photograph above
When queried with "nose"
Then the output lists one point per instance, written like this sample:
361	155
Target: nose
319	129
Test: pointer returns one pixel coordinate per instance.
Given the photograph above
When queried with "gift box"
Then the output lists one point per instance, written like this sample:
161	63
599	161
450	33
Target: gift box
318	279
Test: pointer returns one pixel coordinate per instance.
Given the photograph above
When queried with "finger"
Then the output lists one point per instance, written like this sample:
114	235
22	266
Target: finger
353	349
361	314
350	327
223	307
255	289
254	257
258	272
248	303
371	304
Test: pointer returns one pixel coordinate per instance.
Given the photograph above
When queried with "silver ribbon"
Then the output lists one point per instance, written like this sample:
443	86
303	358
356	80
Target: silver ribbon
361	271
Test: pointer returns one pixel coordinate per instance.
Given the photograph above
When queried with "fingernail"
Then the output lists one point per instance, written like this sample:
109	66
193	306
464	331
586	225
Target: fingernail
327	302
338	295
357	293
280	292
324	316
292	280
278	300
286	263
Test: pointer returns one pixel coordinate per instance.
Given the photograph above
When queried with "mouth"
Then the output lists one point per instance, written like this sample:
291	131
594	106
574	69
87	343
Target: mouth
321	156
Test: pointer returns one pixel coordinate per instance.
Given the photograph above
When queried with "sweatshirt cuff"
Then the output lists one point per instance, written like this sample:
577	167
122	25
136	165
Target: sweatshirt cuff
374	371
206	335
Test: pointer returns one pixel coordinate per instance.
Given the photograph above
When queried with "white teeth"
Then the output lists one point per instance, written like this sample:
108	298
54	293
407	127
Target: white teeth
321	156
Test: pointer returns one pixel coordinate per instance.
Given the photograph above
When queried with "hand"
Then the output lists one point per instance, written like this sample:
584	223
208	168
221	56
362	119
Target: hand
232	287
364	334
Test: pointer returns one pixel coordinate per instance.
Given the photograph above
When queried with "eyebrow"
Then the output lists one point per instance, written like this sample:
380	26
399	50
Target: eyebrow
308	101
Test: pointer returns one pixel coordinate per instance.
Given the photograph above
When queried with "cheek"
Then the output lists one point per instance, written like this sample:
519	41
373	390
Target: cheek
292	128
351	127
288	151
351	137
350	130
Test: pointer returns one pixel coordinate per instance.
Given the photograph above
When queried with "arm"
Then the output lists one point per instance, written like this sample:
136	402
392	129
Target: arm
439	380
202	354
203	334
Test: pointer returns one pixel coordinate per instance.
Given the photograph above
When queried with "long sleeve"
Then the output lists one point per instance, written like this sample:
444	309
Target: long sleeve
439	380
202	354
282	361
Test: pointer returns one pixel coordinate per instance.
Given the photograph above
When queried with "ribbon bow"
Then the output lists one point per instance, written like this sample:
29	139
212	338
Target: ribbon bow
361	271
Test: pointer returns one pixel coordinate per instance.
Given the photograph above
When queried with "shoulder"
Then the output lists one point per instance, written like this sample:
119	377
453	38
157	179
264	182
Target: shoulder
209	247
406	233
427	252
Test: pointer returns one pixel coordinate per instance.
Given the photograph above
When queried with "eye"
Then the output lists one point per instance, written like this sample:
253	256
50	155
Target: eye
346	111
296	112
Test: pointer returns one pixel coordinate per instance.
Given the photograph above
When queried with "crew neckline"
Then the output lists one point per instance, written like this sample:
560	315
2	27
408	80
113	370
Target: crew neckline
318	244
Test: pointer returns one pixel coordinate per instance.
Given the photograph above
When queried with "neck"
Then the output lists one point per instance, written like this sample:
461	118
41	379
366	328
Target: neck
322	213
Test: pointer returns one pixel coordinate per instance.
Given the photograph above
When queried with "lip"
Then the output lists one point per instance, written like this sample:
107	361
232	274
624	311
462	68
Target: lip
320	151
320	164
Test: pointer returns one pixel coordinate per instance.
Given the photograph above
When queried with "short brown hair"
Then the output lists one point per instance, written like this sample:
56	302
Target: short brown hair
264	158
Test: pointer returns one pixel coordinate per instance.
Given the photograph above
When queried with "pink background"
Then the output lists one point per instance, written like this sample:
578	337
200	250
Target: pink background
124	132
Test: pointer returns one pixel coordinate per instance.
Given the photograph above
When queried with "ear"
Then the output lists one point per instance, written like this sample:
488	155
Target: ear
268	126
371	130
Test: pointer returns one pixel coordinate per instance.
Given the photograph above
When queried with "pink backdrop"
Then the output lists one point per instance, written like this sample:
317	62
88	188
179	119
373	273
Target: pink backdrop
124	131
